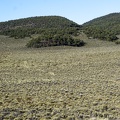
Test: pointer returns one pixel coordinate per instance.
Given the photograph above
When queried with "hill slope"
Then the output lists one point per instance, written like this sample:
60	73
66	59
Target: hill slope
38	22
35	25
106	21
105	27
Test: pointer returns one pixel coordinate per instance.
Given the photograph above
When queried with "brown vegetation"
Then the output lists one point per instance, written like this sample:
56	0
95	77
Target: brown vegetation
59	83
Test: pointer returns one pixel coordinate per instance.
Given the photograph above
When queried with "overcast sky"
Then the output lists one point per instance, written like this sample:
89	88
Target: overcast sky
79	11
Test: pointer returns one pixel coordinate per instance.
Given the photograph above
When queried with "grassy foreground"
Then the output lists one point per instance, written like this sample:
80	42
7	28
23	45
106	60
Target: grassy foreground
59	83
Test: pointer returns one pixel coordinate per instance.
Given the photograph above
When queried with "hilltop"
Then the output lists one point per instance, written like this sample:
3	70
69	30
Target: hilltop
38	22
106	21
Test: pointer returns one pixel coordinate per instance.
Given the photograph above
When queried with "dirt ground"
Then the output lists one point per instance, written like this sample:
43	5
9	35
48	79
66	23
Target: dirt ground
59	83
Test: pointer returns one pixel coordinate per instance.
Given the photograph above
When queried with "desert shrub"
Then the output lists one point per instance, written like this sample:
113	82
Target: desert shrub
117	42
54	40
78	43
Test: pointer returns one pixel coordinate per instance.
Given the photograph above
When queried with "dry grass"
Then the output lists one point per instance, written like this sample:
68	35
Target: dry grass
59	83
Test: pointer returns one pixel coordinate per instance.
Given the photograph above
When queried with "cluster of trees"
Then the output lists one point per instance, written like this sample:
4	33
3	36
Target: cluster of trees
54	40
105	27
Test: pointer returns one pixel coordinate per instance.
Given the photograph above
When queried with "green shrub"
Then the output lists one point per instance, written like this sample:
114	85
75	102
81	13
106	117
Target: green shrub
117	42
54	40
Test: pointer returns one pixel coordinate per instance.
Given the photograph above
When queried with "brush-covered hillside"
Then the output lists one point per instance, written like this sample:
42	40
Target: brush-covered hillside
105	27
38	22
50	31
47	31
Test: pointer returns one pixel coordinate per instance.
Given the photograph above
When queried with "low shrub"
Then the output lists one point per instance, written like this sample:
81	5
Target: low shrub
117	42
54	40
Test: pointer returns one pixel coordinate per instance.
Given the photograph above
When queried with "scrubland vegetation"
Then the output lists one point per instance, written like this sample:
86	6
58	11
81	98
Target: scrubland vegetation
104	28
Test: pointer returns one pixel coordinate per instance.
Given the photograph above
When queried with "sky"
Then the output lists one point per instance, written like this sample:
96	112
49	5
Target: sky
79	11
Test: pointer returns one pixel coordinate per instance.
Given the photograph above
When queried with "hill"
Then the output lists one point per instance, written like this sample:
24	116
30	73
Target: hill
57	30
51	31
34	25
105	27
38	22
